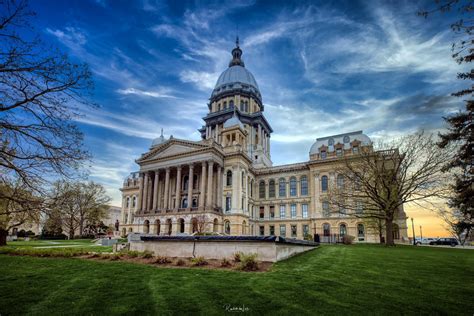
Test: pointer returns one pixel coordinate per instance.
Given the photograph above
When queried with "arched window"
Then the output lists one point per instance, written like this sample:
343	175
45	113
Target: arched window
126	218
185	203
292	186
146	227
395	231
326	229
325	209
134	201
225	105
130	230
282	187
242	105
342	230
271	188
231	104
304	185
181	225
195	225
185	183
246	106
229	178
324	183
128	202
195	203
243	179
124	232
158	226
340	181
215	225
169	224
244	227
261	189
361	232
251	188
227	227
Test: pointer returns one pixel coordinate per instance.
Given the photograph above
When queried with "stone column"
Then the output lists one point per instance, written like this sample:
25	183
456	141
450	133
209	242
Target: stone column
317	194
140	192
150	193
203	185
155	190
160	194
167	188
259	134
209	184
235	182
178	187
145	193
219	186
190	185
246	200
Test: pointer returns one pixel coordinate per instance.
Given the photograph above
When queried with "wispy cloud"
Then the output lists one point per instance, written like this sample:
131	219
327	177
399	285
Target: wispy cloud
154	94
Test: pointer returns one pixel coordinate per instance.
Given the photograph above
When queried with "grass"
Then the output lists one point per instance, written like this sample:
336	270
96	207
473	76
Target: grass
54	246
357	279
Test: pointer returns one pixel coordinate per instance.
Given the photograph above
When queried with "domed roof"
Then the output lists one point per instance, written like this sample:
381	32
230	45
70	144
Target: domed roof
236	77
159	140
345	139
234	120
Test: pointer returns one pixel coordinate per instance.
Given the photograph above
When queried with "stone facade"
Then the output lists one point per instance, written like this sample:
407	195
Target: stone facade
226	183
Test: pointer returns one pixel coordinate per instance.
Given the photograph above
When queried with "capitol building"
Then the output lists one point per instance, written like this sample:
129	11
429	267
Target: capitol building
226	182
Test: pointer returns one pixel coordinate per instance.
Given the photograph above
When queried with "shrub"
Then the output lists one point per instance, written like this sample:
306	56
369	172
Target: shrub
147	254
237	256
180	262
94	255
348	239
225	262
162	260
199	261
115	257
132	254
105	256
248	262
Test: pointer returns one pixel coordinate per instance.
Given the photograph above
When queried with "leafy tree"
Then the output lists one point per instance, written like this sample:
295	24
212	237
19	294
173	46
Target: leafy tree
460	125
40	95
375	184
23	208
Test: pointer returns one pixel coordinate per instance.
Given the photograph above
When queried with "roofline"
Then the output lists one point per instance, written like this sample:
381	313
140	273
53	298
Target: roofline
339	135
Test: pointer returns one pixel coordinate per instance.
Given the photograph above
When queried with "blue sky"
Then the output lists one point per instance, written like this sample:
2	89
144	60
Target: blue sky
322	67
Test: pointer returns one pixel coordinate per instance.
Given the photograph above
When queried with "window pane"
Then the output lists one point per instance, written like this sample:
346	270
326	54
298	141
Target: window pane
271	189
282	188
304	185
304	210
282	211
261	190
324	183
292	186
293	210
283	230
293	231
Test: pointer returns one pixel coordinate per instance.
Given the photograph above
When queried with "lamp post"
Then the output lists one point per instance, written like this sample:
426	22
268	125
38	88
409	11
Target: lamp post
421	233
413	227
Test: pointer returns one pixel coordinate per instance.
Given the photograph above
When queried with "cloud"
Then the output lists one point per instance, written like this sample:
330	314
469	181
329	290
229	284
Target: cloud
71	36
153	94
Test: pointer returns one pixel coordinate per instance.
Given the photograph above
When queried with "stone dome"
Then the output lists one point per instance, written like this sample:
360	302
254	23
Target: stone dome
236	77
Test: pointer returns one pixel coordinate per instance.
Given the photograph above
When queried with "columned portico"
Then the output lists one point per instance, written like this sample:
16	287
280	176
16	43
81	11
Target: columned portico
210	189
167	188
203	185
190	186
178	187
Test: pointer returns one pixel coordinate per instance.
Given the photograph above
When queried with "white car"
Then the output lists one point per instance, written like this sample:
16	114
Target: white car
423	241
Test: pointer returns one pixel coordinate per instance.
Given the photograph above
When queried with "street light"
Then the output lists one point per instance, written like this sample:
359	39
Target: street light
413	227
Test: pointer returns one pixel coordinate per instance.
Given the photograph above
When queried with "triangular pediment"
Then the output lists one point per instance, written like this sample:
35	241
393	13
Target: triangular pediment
170	149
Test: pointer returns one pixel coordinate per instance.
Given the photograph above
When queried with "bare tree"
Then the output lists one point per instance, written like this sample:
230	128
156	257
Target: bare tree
40	94
375	184
200	223
457	223
78	204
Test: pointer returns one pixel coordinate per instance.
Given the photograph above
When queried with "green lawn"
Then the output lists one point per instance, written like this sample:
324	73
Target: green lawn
58	245
359	279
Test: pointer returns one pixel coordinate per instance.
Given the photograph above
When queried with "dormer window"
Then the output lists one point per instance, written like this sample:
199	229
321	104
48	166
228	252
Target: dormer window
355	149
323	155
339	152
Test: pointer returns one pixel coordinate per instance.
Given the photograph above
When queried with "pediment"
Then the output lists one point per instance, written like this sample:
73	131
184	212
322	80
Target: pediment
171	149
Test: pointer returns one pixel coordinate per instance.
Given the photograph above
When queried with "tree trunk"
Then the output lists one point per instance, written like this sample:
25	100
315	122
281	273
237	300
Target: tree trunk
380	232
3	237
389	232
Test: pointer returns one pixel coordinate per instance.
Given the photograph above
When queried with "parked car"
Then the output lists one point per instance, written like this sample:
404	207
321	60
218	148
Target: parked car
445	241
424	241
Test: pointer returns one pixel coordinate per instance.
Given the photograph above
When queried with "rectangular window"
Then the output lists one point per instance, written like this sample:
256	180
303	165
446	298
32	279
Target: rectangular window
355	149
293	230
271	189
339	152
323	155
283	230
262	230
293	210
272	211
282	211
262	212
228	202
272	230
304	210
282	187
305	230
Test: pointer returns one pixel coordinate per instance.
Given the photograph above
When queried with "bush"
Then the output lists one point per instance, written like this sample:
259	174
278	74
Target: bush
348	239
199	261
147	254
180	262
132	254
162	260
225	262
248	262
237	256
94	255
